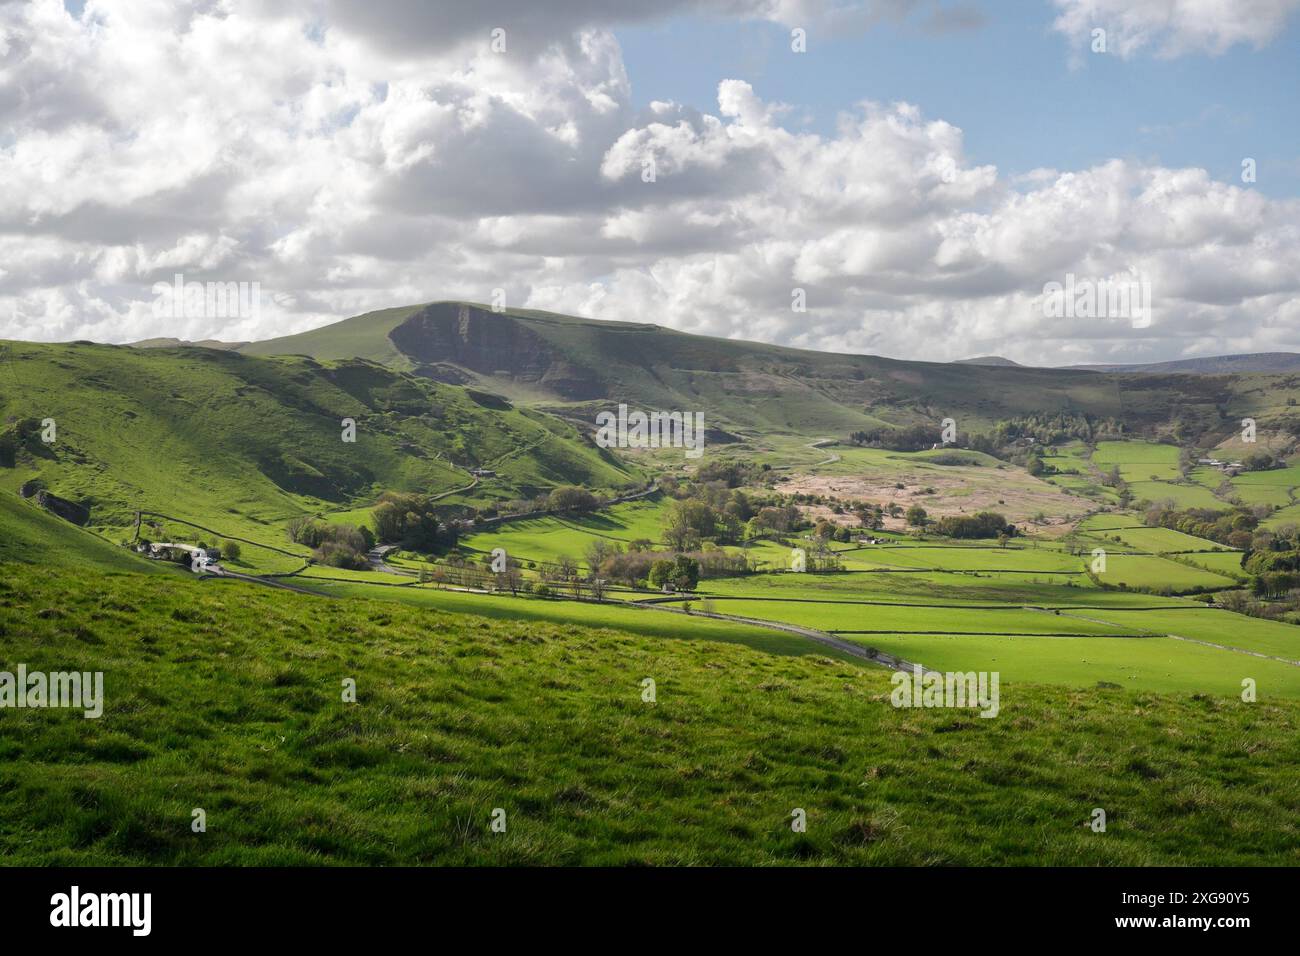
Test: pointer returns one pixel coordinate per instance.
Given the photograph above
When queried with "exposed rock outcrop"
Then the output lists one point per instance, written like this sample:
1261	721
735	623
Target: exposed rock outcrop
62	507
491	343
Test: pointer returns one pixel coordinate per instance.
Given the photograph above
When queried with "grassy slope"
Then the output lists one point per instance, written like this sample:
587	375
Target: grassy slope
30	535
775	389
238	443
362	336
227	697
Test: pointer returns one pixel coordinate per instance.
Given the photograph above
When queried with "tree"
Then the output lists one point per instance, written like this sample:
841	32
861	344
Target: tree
682	572
661	573
600	551
916	516
571	498
230	550
687	523
296	527
510	579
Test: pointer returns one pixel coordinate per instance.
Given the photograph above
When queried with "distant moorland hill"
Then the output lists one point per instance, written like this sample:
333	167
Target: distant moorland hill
571	362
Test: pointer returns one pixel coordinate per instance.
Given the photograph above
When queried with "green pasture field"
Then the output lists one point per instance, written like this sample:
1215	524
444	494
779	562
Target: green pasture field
1108	520
1147	663
1275	495
984	559
1209	477
551	537
1214	625
1227	563
1290	515
850	617
1183	496
1138	461
1276	487
1288	477
936	588
644	622
1159	540
1071	457
360	517
1150	571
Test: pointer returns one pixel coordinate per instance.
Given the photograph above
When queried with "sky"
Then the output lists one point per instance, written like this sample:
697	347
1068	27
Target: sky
911	178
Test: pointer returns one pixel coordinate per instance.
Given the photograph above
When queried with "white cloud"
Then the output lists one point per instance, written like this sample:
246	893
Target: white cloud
1171	28
271	143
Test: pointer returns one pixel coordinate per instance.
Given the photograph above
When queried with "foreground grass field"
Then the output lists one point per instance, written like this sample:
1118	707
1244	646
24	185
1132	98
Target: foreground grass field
227	697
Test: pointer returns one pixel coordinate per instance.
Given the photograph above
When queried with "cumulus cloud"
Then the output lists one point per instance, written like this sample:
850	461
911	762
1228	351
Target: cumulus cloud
1171	28
243	140
416	26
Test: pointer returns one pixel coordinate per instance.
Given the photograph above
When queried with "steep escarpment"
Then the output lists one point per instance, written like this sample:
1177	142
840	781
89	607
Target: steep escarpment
449	334
548	360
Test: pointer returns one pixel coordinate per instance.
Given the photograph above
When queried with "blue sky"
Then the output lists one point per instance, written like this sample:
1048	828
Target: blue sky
1015	87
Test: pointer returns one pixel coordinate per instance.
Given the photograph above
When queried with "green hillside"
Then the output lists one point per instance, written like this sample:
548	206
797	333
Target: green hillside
225	697
585	364
32	536
242	444
363	336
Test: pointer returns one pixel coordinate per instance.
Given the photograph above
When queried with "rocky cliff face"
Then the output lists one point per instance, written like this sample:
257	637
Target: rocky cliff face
490	343
65	509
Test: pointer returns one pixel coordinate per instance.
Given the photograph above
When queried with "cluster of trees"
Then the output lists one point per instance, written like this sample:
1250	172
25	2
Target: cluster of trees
636	565
1272	558
1274	573
1054	429
1003	438
1233	527
825	530
1274	606
732	474
1264	562
335	545
411	520
904	438
681	572
819	557
714	512
571	499
1261	461
983	524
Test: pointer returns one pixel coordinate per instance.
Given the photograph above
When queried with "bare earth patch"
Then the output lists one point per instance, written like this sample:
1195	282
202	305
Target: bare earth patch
956	491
